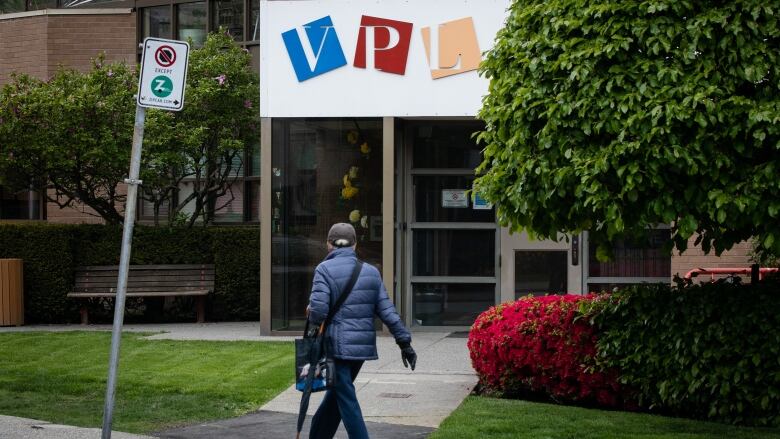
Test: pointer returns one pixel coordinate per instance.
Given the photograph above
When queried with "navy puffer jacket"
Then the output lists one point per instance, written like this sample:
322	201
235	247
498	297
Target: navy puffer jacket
352	334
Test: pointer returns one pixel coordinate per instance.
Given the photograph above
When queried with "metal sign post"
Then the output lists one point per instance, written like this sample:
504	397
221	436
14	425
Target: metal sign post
161	85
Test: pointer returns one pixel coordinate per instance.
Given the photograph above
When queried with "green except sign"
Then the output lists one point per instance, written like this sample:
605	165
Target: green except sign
162	86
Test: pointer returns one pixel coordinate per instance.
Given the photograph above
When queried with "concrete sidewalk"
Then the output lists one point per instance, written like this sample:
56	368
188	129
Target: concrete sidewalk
22	428
396	402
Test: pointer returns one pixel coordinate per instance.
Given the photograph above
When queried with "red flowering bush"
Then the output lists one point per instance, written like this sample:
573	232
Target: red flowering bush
538	345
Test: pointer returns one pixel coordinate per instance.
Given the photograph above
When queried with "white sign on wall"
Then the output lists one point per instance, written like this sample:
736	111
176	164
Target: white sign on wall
163	74
454	198
352	58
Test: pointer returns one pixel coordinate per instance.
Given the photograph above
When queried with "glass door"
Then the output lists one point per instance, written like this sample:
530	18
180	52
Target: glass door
451	243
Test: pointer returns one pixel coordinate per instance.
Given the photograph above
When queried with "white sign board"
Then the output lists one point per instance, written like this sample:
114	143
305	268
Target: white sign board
163	74
454	198
353	58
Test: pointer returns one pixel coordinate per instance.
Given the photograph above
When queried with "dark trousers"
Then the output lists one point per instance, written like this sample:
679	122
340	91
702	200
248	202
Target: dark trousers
340	404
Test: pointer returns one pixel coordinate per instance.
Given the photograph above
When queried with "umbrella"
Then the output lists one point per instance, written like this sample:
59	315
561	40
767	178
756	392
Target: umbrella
314	355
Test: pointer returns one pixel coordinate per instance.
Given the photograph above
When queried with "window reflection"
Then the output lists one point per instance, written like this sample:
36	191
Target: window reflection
540	272
324	171
451	304
157	22
229	15
191	18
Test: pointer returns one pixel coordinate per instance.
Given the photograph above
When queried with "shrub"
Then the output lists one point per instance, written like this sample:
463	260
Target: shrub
48	269
541	346
705	351
52	252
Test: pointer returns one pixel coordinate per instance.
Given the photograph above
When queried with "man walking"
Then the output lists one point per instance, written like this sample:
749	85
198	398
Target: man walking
351	336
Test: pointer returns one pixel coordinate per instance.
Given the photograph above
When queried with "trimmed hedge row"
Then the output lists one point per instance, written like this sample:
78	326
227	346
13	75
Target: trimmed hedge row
52	252
709	351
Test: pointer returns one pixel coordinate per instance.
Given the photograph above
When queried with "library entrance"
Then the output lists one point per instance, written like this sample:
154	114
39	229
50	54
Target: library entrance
448	244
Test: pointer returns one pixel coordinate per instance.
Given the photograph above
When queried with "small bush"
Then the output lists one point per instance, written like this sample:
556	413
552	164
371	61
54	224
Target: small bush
52	252
47	257
705	351
540	346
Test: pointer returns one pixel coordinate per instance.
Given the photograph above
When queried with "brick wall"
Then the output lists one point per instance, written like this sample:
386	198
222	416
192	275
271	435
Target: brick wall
73	40
23	47
694	257
38	43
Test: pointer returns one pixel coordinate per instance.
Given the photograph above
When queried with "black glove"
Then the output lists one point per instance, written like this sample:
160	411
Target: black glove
408	356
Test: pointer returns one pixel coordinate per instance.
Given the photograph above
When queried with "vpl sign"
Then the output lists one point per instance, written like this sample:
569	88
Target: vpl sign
353	58
163	74
383	44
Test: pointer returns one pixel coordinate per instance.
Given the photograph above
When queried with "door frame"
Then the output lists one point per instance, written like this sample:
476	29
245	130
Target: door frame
405	225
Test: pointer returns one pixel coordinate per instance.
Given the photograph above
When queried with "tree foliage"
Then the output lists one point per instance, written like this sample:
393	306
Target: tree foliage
204	144
73	133
614	116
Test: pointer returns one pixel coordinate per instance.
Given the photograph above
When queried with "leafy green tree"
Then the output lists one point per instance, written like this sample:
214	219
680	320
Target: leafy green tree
614	116
72	134
205	143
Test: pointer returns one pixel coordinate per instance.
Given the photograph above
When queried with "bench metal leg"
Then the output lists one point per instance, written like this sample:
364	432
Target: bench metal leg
200	308
84	315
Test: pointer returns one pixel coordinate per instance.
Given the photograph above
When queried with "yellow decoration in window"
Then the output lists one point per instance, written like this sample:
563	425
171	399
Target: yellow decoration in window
348	193
352	137
354	216
364	148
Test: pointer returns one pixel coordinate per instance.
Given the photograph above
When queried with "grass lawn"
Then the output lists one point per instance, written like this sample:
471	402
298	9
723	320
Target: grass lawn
480	417
60	377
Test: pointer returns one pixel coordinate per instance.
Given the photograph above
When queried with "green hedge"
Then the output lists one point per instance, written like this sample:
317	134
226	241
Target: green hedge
707	351
51	253
48	269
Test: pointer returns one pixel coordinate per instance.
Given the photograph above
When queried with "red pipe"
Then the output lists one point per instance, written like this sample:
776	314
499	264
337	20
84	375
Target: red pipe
713	271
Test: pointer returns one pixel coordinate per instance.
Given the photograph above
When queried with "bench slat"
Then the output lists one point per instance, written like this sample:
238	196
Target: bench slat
146	281
148	267
78	295
145	288
134	274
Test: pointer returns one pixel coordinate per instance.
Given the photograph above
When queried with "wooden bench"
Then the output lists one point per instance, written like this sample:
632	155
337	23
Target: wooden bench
146	281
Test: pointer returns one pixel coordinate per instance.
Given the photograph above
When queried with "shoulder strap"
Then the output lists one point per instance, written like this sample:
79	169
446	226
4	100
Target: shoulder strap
347	290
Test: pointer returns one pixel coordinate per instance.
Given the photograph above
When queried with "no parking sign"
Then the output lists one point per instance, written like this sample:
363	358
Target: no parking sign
163	74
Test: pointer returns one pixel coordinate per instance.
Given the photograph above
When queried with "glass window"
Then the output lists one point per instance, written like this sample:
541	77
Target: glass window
157	22
635	259
454	253
191	18
429	205
451	304
254	201
253	162
320	176
35	5
540	272
446	145
229	208
229	15
21	205
255	20
10	6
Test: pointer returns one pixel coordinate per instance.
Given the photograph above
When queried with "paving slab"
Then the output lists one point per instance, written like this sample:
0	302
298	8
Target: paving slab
23	428
275	425
389	393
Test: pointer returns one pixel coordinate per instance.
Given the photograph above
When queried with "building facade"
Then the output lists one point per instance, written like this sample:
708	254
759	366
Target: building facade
368	115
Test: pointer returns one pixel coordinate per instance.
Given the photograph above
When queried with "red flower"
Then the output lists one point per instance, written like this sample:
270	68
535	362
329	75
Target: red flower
537	344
